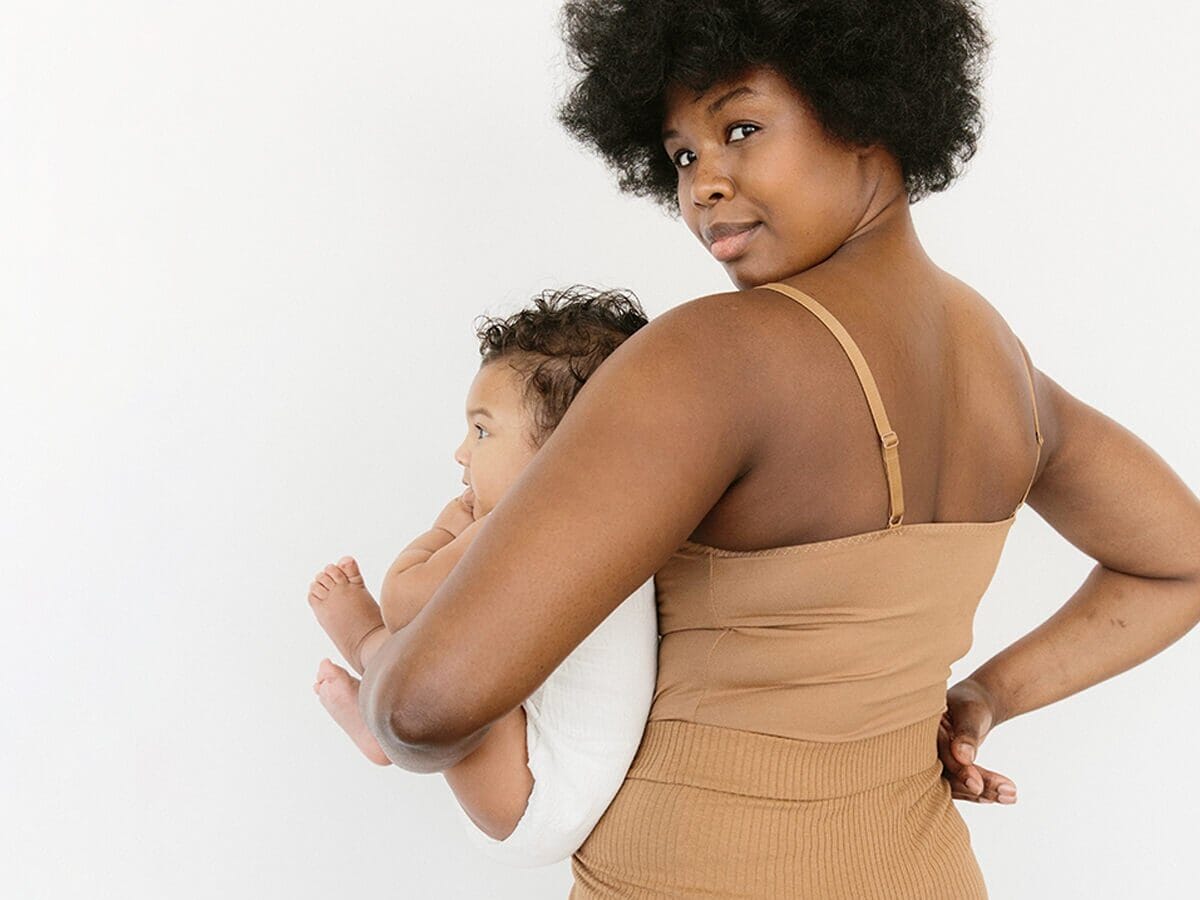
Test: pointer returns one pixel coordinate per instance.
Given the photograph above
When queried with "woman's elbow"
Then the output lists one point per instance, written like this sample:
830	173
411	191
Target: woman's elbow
386	713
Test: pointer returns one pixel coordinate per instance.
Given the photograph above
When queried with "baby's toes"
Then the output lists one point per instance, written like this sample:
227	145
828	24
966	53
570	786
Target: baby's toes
325	580
348	565
329	670
317	593
334	572
336	687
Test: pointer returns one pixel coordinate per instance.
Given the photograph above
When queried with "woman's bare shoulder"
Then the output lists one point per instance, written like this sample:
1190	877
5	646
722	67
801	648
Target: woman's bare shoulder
725	311
721	342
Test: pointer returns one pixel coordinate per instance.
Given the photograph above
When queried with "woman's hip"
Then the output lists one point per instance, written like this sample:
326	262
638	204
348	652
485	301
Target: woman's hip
715	812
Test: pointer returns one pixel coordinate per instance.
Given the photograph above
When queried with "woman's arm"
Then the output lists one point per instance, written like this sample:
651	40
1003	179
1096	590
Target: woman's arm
663	427
1114	498
494	782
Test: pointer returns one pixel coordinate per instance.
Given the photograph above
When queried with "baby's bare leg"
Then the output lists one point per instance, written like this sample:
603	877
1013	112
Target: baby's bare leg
338	690
345	609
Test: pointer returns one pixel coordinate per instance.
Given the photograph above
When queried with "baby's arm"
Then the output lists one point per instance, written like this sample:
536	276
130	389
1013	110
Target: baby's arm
412	579
493	783
419	571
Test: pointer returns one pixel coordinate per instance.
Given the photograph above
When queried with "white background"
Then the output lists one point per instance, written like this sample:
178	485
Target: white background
241	249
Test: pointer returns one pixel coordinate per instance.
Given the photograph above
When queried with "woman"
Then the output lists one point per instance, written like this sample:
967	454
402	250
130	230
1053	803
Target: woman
819	469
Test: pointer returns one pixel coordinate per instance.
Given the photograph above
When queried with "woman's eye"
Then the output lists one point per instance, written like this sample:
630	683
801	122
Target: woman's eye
481	428
678	157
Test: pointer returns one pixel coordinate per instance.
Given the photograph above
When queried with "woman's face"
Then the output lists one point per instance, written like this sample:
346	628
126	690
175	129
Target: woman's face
496	448
761	184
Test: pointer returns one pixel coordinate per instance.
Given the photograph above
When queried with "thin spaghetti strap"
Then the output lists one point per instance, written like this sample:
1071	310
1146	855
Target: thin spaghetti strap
890	442
1037	427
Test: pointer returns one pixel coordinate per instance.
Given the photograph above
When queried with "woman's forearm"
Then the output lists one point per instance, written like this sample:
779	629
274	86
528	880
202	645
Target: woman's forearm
1112	623
493	782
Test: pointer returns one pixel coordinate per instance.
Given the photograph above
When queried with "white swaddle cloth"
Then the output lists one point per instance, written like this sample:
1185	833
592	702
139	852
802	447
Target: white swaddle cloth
584	724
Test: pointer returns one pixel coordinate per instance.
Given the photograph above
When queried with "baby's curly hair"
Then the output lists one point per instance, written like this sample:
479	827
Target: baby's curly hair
557	344
901	73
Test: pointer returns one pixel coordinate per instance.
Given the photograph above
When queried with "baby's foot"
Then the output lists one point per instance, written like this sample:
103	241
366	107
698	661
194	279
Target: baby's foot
344	607
338	690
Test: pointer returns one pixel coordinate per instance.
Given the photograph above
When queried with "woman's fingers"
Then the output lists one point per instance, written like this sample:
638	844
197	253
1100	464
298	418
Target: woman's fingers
955	769
997	788
970	781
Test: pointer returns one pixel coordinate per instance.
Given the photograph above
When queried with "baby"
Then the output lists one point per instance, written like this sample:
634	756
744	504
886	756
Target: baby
546	772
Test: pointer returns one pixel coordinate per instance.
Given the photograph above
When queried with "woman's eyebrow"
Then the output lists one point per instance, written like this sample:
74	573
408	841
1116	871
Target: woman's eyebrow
715	106
479	411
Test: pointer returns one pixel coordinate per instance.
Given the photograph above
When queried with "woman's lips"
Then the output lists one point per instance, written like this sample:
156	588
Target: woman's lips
731	247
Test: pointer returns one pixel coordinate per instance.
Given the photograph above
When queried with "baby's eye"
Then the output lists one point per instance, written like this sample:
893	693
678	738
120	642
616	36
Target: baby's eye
743	125
676	159
481	428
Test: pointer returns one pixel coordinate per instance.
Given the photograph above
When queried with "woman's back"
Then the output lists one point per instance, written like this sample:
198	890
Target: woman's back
801	684
950	374
833	639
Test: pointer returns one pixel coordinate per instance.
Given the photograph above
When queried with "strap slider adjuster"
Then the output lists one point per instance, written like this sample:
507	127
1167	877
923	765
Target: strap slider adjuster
895	440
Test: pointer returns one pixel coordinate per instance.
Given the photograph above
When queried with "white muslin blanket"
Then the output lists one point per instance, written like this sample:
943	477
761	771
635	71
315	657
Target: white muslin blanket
584	724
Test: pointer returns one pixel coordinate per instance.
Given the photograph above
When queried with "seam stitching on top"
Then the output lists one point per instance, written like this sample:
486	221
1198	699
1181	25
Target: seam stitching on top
707	659
693	549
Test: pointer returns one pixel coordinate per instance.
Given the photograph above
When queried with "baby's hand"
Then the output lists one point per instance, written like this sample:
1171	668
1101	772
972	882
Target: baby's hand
457	514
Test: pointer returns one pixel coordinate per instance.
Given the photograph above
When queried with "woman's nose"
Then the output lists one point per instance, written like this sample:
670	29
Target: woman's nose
710	183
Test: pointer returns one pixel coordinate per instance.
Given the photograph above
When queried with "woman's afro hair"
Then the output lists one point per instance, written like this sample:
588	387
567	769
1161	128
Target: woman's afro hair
904	74
556	345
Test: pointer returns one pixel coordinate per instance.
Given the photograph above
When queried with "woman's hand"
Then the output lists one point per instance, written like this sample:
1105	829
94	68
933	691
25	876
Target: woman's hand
457	514
968	718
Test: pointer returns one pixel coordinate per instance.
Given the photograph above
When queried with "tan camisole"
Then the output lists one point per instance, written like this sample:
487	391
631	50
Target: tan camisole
830	640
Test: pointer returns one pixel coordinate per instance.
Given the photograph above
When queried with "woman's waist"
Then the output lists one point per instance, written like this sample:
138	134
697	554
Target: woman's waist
681	751
838	710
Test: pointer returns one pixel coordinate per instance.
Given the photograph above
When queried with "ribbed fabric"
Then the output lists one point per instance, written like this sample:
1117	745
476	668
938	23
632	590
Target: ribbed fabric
765	765
716	812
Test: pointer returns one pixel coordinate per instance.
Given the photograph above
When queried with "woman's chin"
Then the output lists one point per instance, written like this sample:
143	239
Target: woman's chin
749	273
742	274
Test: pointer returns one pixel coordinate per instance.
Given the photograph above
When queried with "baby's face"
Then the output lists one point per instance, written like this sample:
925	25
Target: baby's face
496	448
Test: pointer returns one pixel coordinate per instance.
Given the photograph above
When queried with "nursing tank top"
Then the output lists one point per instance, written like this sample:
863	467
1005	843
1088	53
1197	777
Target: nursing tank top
831	640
